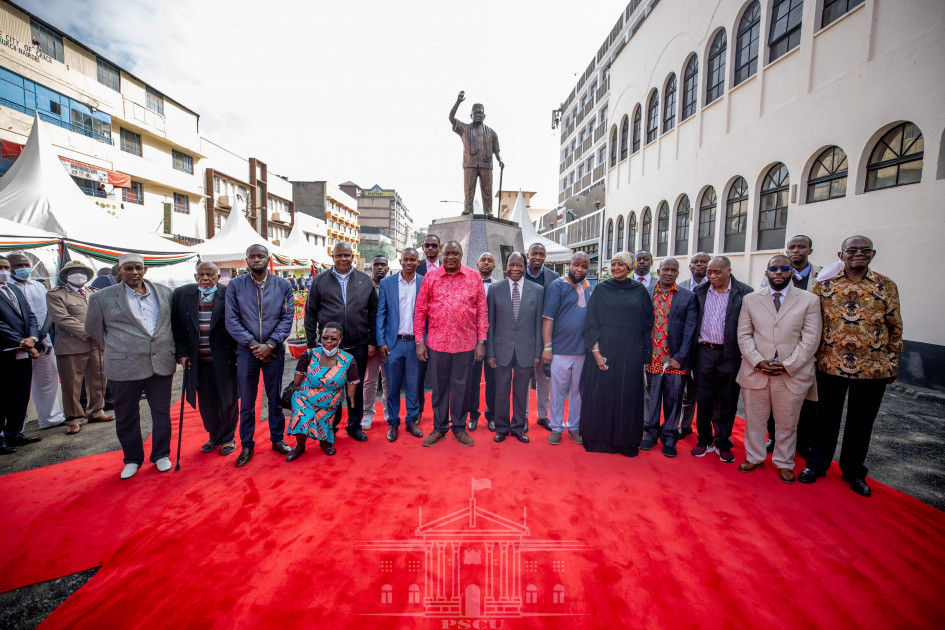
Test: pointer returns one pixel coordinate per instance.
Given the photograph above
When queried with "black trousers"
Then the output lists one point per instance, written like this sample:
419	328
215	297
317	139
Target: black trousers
475	381
448	372
715	376
511	379
16	375
421	380
157	388
354	415
865	397
219	421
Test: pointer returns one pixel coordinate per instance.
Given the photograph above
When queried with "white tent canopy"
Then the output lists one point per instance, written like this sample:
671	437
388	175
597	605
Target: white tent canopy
300	249
229	245
38	192
530	236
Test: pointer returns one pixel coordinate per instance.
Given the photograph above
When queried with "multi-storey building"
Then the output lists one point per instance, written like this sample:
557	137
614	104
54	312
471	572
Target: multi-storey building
737	124
582	119
105	124
382	212
339	210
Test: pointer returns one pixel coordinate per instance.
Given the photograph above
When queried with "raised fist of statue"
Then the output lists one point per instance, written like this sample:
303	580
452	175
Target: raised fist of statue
461	97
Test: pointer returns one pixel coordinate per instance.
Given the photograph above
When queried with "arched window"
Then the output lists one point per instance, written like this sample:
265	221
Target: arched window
681	247
613	148
736	216
558	596
413	594
834	9
828	176
715	74
531	594
662	229
646	229
772	222
653	117
707	206
690	87
896	159
631	231
387	594
619	242
624	137
669	104
746	43
785	33
637	115
609	248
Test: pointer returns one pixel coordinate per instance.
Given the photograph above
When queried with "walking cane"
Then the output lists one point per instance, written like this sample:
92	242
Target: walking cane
180	426
501	173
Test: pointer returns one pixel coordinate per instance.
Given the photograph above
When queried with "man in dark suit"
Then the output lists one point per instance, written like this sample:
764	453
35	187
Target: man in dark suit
698	264
537	273
431	260
674	326
485	265
345	295
513	345
641	271
205	346
396	343
19	334
718	357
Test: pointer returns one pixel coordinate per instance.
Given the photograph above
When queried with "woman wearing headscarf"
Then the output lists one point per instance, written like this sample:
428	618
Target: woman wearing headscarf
616	336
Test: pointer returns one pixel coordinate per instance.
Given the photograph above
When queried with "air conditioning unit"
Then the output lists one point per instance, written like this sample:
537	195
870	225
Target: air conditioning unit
276	216
223	201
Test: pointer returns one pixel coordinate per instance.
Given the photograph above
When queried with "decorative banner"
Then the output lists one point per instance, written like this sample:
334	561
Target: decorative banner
119	180
110	254
19	242
85	171
10	150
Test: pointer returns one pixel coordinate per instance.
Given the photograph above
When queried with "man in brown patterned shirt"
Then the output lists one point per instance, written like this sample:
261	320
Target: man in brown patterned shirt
859	354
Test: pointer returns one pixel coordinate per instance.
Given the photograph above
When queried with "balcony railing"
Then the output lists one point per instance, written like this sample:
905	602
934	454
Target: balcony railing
107	139
599	132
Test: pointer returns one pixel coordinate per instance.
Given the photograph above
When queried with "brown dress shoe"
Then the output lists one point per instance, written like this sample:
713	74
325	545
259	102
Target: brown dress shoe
746	466
786	475
464	438
433	438
72	429
102	418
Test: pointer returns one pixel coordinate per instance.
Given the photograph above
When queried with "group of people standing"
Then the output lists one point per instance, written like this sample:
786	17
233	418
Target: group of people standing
635	358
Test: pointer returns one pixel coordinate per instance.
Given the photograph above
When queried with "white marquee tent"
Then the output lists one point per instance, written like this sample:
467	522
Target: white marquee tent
530	236
229	245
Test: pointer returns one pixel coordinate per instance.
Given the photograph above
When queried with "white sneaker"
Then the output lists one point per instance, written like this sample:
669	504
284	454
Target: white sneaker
163	464
367	422
129	471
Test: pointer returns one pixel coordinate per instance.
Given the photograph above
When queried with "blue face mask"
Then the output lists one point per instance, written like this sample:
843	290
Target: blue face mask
23	273
208	291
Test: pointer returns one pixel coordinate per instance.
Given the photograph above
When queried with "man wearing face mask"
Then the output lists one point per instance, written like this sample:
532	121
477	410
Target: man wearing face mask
45	384
78	356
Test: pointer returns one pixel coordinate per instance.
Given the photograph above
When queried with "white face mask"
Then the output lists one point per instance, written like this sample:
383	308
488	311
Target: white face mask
4	275
330	353
76	279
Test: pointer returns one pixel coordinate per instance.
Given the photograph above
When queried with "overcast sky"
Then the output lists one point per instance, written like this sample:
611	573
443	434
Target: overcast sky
359	89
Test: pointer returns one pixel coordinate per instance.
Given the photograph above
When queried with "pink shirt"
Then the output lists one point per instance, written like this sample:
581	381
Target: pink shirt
456	306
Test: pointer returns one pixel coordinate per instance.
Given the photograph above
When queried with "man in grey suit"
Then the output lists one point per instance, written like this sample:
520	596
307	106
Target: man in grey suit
132	321
513	345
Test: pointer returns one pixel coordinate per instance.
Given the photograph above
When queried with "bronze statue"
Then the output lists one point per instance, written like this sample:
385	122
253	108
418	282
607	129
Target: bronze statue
479	144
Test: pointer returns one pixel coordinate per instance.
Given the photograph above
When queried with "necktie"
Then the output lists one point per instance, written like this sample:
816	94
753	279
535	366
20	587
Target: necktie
516	301
8	293
81	291
777	301
580	291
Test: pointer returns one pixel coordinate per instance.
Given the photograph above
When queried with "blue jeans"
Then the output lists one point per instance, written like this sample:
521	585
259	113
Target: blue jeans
402	364
247	377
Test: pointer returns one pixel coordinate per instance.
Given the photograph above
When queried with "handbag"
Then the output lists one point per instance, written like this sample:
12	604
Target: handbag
287	393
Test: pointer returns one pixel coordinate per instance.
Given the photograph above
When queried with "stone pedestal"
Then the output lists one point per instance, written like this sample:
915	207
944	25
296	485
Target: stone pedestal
478	233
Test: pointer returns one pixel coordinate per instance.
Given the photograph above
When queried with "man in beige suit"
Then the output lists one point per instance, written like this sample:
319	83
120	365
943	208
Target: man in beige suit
77	353
778	333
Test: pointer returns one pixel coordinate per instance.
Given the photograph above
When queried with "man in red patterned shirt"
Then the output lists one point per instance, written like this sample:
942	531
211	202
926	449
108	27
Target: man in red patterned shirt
453	299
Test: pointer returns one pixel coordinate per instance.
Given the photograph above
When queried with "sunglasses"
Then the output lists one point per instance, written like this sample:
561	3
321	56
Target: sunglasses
853	251
430	246
774	268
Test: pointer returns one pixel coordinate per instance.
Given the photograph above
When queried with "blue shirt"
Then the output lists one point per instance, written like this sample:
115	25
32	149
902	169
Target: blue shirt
561	305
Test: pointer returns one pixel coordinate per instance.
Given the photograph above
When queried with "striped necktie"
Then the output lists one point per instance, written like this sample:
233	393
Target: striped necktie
516	300
8	293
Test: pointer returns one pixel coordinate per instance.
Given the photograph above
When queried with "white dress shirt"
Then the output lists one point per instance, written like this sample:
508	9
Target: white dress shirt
145	308
35	294
407	294
693	284
783	292
521	287
644	280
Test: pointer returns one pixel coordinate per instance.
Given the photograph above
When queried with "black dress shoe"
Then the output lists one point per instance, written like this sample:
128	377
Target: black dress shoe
521	437
859	486
6	450
414	430
245	455
472	425
769	446
491	425
684	432
22	440
500	437
294	454
327	447
392	433
358	435
544	424
808	475
281	447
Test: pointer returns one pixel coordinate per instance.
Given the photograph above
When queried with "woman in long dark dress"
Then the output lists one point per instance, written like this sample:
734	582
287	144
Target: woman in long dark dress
616	337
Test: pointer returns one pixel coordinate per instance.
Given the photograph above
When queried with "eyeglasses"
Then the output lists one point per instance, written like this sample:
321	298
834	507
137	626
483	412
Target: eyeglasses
774	268
430	245
853	251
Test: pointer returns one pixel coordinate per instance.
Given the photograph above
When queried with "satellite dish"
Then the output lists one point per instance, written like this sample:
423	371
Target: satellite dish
574	203
596	198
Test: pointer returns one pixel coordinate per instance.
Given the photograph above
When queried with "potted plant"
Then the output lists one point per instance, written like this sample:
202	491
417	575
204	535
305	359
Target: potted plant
297	342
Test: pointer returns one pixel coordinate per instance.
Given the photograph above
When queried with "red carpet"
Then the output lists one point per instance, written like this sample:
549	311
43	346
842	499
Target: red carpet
605	541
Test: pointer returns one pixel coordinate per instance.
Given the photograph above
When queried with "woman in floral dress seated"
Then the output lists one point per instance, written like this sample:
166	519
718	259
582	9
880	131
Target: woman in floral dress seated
323	376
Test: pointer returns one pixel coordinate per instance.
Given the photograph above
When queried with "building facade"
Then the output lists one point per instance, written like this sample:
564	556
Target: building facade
324	200
104	121
382	211
738	124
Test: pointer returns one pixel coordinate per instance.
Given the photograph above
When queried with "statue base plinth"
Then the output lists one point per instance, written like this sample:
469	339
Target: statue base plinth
479	233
